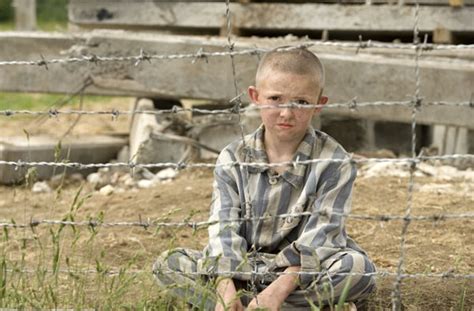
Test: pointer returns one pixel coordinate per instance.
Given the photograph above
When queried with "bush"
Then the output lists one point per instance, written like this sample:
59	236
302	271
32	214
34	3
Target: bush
51	10
6	11
46	10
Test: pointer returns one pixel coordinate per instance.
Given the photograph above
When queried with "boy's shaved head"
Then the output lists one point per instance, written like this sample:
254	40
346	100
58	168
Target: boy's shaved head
298	61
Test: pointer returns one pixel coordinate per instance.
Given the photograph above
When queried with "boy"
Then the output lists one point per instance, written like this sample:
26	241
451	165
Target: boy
269	240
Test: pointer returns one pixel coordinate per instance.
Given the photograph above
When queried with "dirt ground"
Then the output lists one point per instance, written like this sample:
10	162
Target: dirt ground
431	247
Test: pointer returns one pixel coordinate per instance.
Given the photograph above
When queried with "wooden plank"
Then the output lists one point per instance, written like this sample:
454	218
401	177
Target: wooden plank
367	77
442	36
274	16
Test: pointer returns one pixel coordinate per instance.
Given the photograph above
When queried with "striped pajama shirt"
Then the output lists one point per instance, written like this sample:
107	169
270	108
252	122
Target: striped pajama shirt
256	226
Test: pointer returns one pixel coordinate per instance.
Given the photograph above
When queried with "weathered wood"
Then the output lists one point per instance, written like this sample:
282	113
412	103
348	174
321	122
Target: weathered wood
367	77
25	14
274	16
441	35
456	3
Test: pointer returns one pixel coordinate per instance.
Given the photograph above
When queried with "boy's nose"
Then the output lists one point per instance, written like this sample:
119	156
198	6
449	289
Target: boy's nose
286	112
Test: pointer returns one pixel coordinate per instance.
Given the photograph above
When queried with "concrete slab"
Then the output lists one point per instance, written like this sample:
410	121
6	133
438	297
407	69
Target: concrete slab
84	149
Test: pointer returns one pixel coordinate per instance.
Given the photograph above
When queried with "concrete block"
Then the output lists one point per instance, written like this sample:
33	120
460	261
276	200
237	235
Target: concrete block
152	137
87	149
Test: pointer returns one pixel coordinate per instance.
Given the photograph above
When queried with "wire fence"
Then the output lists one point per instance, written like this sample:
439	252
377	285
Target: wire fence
238	107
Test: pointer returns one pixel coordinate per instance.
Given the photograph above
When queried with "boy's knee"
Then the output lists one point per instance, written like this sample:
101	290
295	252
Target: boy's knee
364	278
167	261
358	270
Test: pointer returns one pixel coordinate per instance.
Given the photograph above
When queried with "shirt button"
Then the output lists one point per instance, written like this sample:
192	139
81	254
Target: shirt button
273	180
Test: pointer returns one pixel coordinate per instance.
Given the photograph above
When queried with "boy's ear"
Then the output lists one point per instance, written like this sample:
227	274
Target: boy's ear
322	101
253	94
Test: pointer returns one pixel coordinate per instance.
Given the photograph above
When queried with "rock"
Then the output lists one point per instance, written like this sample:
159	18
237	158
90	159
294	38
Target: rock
168	173
41	187
56	181
76	177
96	180
107	190
145	183
127	180
146	174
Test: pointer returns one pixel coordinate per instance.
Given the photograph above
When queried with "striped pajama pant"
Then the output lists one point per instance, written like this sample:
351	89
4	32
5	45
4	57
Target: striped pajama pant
176	272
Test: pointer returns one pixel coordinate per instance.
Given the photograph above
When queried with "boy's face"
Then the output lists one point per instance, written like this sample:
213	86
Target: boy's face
275	88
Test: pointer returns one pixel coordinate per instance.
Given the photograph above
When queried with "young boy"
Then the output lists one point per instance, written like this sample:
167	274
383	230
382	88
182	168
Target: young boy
258	228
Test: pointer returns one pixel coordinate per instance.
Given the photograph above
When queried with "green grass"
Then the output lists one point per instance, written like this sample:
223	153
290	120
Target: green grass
19	101
41	25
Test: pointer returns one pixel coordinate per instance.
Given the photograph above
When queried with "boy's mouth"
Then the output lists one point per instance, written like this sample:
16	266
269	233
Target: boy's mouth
284	125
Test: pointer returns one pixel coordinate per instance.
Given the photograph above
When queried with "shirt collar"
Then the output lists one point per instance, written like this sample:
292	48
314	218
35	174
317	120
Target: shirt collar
295	174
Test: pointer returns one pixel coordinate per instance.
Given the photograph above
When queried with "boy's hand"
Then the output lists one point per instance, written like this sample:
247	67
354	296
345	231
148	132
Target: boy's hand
272	297
266	301
227	295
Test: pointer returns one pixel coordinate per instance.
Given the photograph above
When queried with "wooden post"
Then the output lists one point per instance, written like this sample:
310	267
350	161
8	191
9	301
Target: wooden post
25	14
456	3
442	36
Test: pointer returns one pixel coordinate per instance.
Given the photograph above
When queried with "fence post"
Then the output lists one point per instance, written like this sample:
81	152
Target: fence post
25	14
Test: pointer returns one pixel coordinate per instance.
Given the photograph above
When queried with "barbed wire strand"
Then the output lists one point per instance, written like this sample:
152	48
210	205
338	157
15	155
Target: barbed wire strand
436	218
143	56
352	105
180	166
396	293
115	271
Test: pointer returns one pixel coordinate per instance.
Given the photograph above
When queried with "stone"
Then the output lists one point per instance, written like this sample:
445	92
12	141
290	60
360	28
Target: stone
41	187
95	178
107	190
167	173
145	183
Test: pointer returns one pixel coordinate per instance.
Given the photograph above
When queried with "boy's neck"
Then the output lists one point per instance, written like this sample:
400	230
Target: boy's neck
280	151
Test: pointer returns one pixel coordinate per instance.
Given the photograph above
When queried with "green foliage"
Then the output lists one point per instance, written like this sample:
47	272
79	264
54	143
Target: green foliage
51	10
51	14
19	101
6	11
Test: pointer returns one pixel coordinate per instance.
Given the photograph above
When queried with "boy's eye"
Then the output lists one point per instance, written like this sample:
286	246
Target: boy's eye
274	98
302	102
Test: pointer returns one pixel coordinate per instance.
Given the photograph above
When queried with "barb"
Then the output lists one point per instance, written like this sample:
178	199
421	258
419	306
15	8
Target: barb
143	56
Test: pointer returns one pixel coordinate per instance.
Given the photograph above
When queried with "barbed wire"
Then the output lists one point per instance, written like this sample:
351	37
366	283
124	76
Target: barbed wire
201	54
417	100
115	272
182	165
196	225
353	105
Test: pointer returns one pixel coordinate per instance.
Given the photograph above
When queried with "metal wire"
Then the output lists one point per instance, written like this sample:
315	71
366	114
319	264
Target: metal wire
353	105
143	56
180	166
195	225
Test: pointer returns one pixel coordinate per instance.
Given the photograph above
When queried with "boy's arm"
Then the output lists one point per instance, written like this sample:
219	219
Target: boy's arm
227	248
276	293
227	298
